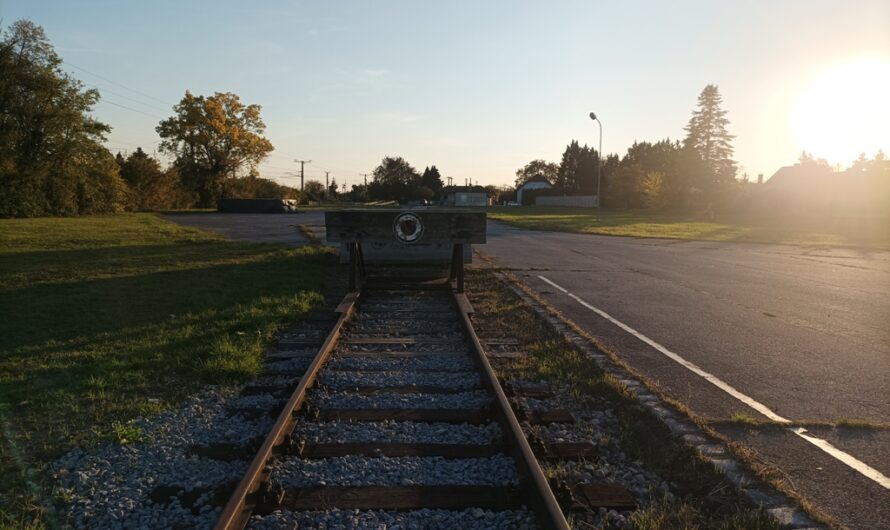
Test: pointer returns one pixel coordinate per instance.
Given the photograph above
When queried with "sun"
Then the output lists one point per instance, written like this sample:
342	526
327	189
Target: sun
845	111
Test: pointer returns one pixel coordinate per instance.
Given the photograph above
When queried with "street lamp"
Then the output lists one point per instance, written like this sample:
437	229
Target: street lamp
599	163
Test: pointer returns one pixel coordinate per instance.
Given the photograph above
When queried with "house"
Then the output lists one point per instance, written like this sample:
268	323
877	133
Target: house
801	176
465	196
538	182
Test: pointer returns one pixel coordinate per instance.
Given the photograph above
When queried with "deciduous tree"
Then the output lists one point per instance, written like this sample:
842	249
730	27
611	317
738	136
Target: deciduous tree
394	179
214	138
313	190
549	170
151	187
52	161
652	188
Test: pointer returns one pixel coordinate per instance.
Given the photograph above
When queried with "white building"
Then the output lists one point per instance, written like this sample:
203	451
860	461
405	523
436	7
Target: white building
537	182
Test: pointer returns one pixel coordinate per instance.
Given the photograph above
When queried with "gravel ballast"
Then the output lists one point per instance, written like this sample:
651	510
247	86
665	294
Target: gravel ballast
397	432
345	400
432	362
111	486
470	519
399	471
345	379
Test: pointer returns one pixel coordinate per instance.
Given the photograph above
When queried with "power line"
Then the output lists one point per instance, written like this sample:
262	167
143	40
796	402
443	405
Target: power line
129	108
118	84
276	167
125	97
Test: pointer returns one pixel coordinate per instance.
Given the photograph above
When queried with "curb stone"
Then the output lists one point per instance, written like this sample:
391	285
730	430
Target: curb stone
775	503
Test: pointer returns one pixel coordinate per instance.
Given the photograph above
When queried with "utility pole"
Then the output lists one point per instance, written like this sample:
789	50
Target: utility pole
327	185
366	177
302	162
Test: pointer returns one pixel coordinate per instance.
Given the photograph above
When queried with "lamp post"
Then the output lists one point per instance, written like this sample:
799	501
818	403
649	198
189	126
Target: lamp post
599	163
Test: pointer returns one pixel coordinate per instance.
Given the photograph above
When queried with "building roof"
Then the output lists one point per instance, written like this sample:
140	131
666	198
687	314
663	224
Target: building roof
800	175
537	178
464	189
540	181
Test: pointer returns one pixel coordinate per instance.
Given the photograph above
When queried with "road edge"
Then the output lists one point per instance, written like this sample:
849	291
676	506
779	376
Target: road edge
783	506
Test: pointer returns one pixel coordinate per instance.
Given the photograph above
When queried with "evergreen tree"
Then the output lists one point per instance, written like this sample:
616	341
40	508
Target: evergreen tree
577	169
432	179
567	175
707	134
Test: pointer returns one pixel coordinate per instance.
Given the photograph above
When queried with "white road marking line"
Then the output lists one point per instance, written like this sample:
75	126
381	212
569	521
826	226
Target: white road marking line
846	458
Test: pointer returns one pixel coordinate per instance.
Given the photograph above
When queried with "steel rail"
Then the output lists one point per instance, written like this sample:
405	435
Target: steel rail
542	500
237	512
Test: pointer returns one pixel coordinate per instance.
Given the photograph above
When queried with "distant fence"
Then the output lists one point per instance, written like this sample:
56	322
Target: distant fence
583	201
256	205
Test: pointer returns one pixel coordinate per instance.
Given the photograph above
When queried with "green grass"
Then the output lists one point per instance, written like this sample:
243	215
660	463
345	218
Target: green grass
743	417
106	318
811	231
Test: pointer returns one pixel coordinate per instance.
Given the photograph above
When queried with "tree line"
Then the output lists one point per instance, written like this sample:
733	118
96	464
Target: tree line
666	174
53	161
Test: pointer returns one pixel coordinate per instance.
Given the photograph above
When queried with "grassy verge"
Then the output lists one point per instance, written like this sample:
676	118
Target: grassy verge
705	499
812	231
106	318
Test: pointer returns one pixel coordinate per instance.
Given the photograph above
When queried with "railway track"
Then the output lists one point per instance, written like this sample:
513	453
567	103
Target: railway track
398	410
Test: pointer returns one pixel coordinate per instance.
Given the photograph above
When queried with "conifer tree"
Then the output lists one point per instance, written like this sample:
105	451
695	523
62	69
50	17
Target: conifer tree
707	134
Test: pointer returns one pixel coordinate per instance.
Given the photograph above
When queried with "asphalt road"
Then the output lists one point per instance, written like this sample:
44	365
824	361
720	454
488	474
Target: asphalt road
265	228
806	332
803	331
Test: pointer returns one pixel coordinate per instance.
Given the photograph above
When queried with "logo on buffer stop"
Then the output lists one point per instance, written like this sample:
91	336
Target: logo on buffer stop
408	227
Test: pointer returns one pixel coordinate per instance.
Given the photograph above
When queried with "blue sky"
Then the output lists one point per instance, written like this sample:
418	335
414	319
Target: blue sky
477	88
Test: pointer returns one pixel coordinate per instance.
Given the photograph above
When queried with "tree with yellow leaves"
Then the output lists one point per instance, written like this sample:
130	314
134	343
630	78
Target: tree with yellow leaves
213	138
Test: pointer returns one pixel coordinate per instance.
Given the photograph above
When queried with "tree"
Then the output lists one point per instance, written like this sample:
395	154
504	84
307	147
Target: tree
707	134
253	187
625	185
395	179
313	190
652	188
359	193
52	161
549	170
213	138
806	159
432	180
151	188
577	170
332	189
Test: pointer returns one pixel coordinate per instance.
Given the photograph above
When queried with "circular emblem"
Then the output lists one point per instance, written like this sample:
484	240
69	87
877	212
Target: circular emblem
408	227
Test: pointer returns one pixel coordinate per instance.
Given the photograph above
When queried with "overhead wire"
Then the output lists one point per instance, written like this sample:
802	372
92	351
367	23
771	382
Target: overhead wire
277	153
118	84
118	94
105	100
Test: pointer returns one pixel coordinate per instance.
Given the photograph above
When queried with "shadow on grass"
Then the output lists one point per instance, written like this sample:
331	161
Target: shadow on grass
90	350
43	314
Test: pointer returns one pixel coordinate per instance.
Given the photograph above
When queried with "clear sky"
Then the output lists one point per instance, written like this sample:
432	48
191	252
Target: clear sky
480	88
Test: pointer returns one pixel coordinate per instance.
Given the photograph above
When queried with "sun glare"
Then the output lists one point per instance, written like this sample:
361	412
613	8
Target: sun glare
845	111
